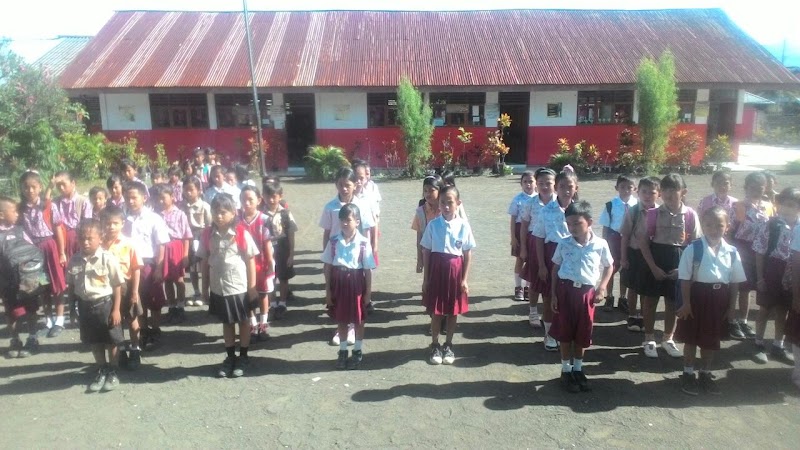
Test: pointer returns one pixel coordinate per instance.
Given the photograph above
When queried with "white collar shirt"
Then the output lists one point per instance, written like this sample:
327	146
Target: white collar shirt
330	216
582	264
453	237
517	206
551	225
356	254
147	231
723	266
619	208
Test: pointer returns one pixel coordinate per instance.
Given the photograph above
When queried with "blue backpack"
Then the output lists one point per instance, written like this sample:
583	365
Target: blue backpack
697	257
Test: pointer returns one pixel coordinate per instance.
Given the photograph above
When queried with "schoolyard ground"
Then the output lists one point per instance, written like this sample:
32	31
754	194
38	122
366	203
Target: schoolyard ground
502	391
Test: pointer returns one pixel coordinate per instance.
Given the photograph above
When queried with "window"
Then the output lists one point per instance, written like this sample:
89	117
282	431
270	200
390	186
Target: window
605	107
458	109
91	104
236	110
382	110
686	101
179	110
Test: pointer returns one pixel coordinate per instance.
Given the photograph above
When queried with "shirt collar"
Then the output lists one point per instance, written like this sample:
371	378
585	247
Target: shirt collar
94	256
589	241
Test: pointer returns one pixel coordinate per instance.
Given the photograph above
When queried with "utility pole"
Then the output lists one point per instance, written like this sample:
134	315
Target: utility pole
256	104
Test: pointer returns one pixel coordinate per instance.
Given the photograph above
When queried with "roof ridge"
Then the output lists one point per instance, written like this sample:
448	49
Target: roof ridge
717	9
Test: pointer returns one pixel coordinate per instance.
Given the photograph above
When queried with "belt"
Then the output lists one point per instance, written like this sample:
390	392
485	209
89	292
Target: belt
716	286
97	302
576	284
345	269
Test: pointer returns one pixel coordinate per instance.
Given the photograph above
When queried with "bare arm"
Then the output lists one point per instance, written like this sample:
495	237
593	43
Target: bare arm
512	231
115	318
420	264
206	286
540	257
465	271
553	284
328	297
250	262
367	287
137	274
523	240
600	295
426	258
290	258
269	255
685	311
644	246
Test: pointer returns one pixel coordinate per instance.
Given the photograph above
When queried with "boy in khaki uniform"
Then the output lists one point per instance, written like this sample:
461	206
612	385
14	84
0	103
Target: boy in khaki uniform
94	280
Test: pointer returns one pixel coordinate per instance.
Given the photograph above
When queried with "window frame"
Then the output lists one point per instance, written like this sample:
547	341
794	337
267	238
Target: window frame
593	104
227	116
179	111
439	102
382	106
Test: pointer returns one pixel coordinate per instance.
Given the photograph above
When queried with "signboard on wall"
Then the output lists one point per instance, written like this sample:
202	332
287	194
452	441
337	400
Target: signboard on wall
278	115
701	109
492	113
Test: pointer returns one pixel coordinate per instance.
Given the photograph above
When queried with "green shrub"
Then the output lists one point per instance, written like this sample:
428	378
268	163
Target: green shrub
322	163
87	156
793	167
718	151
415	120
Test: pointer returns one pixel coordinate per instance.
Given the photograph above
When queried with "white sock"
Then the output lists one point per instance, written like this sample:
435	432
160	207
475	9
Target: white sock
264	318
48	322
253	321
566	367
578	365
359	343
282	303
517	280
60	321
777	343
534	310
547	328
524	283
343	344
688	370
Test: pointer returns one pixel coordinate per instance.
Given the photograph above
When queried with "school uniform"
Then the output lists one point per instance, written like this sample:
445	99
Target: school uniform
551	225
349	263
129	262
634	226
227	270
669	234
422	215
713	200
515	210
580	270
199	216
148	231
259	231
447	241
530	212
16	304
710	293
611	220
92	280
745	223
370	190
40	227
776	263
212	191
179	231
281	223
72	209
177	191
329	220
792	331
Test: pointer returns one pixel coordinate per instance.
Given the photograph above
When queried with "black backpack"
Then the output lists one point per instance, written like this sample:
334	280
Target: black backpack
23	262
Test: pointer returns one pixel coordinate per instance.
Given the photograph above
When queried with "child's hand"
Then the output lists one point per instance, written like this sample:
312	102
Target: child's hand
515	243
185	262
554	303
252	294
464	287
62	259
135	298
623	263
115	318
673	274
659	274
523	253
366	299
685	311
600	295
420	268
290	261
543	273
328	299
761	286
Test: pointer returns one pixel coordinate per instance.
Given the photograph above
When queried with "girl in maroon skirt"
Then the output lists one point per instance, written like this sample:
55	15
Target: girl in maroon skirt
708	286
550	228
42	222
515	211
176	252
348	262
447	252
257	224
545	183
611	219
772	250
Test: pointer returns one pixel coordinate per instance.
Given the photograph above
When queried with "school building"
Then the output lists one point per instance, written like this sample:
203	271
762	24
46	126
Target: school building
329	77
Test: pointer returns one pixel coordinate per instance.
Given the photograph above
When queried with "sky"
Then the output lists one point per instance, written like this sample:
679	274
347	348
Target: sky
32	25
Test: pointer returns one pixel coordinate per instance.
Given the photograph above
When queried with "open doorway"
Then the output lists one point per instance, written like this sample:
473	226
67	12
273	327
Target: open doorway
300	126
721	113
516	105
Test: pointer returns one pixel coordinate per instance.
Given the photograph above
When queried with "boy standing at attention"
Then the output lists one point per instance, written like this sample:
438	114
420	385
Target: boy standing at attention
582	268
94	280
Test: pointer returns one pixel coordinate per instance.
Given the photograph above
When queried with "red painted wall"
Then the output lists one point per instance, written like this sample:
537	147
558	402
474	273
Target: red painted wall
748	125
232	143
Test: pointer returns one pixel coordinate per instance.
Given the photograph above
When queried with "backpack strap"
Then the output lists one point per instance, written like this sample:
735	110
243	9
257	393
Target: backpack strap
609	207
241	239
774	227
697	256
333	241
689	223
652	218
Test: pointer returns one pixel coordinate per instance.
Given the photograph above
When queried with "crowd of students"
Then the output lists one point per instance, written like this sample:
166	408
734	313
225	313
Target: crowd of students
117	258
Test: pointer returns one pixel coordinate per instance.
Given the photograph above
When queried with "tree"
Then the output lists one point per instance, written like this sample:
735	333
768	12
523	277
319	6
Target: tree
415	119
34	114
658	107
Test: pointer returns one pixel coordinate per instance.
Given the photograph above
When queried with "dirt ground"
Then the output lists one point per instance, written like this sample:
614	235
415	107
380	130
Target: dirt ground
501	392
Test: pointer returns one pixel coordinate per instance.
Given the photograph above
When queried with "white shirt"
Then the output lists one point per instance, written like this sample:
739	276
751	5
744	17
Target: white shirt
618	210
357	254
226	188
147	232
453	237
795	245
370	191
551	225
518	205
532	208
582	263
724	267
226	266
330	216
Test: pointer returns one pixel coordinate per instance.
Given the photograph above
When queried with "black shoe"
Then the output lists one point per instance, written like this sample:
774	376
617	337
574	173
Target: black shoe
780	354
134	359
609	304
623	305
14	348
31	347
569	383
226	369
526	292
99	380
689	384
749	333
112	381
341	361
170	315
122	358
354	363
370	309
583	382
280	312
55	331
240	366
640	321
180	316
73	316
708	384
154	337
735	331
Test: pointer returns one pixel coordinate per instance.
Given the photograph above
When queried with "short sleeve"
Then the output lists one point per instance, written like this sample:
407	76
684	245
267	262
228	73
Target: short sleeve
115	277
251	249
525	210
56	215
696	230
427	237
605	218
325	221
415	223
513	208
161	233
685	267
795	246
538	227
468	241
761	239
606	259
737	269
369	258
558	258
367	216
327	254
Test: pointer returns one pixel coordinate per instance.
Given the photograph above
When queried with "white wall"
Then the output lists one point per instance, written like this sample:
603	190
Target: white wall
212	111
126	112
701	107
346	110
740	106
569	108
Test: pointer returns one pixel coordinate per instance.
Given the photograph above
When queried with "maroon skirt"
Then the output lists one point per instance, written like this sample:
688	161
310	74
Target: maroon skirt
265	276
49	248
151	294
707	325
544	286
792	331
575	317
515	250
614	240
173	261
748	257
71	242
347	291
530	270
444	296
775	295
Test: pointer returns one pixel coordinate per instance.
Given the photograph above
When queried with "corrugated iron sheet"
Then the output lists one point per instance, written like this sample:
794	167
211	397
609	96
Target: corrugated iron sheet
62	54
138	49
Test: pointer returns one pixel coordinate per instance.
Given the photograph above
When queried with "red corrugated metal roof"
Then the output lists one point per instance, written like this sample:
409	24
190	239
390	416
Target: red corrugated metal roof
138	49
